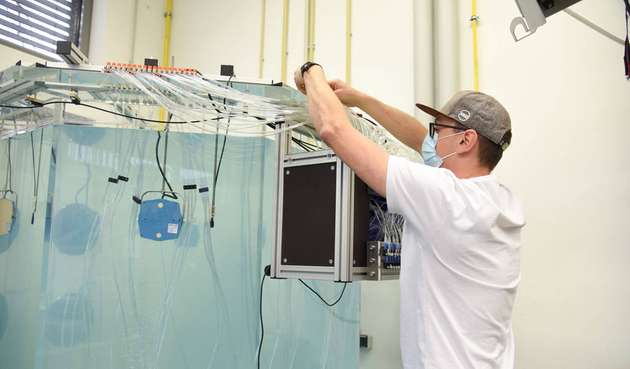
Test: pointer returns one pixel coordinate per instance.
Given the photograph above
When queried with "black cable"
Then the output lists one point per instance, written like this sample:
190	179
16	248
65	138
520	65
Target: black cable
312	146
321	298
260	310
301	144
224	137
157	159
170	117
367	119
143	119
305	145
214	173
36	104
110	112
217	167
212	102
24	107
36	175
262	327
216	178
77	102
33	156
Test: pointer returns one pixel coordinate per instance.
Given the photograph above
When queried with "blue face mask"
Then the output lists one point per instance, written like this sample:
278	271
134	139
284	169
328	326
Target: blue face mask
429	152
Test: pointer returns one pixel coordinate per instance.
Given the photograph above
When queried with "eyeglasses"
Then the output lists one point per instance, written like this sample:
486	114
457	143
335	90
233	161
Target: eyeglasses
432	129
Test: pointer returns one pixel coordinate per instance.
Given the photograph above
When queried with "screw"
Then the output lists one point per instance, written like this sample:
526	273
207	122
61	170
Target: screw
284	260
158	235
288	172
332	167
330	261
160	205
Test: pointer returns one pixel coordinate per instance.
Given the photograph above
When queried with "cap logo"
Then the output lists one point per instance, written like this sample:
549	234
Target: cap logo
463	115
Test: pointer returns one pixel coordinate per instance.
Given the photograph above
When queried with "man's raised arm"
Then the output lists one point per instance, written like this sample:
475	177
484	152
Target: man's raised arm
401	125
367	159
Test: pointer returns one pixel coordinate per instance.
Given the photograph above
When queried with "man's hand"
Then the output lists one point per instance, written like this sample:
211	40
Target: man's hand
368	160
349	96
402	125
299	78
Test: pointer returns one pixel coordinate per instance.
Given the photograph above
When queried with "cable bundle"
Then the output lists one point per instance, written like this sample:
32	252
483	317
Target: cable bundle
194	104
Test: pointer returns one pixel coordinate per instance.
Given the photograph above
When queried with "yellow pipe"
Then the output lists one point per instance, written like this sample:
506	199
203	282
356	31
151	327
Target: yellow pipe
313	30
166	44
262	39
475	22
348	41
285	40
310	31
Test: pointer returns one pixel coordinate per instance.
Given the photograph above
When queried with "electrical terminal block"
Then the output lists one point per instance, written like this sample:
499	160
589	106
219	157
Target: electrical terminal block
383	260
391	255
139	68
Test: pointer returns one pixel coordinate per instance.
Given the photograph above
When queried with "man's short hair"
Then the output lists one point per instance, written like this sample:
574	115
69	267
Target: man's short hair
490	153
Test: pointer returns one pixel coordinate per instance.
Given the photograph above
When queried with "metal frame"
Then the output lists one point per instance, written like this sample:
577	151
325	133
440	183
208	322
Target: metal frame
345	196
287	160
343	269
18	89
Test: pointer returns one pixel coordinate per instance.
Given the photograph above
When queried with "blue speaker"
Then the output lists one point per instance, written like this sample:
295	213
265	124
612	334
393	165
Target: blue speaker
159	219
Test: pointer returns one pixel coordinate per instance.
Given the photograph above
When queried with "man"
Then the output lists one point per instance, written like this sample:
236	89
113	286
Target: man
460	249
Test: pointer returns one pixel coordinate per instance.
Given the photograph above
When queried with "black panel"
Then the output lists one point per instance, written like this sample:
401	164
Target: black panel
364	341
151	62
227	70
64	47
551	7
308	215
361	222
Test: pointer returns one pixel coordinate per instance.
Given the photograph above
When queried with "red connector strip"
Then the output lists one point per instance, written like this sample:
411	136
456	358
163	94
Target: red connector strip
139	68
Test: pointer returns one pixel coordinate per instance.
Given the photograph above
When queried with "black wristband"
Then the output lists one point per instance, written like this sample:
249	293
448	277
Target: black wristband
306	66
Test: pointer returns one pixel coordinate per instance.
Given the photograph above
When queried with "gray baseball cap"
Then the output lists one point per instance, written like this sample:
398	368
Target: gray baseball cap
477	111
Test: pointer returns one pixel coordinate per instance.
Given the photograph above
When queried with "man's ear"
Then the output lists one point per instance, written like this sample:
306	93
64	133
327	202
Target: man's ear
468	140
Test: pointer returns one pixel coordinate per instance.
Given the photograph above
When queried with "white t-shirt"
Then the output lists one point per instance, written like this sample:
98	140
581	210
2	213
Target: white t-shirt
460	267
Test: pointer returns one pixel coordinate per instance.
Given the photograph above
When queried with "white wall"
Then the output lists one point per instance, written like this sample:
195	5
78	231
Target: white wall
570	107
112	31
